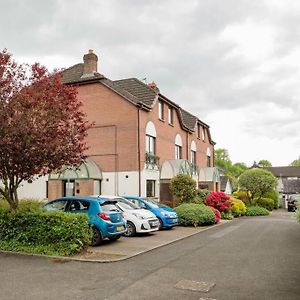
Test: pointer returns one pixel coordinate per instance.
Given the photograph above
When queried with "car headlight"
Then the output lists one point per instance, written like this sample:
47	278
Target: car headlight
141	217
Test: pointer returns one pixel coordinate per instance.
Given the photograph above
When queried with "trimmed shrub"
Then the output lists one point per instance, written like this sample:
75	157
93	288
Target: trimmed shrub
201	195
242	195
256	211
238	208
217	214
220	201
183	186
266	203
191	214
226	215
52	233
273	195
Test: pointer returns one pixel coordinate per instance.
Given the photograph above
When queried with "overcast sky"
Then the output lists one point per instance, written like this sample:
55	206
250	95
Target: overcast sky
235	64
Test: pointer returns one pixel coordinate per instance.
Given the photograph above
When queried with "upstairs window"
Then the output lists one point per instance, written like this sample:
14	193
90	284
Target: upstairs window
161	110
199	131
208	158
170	115
178	152
193	157
178	147
150	144
203	134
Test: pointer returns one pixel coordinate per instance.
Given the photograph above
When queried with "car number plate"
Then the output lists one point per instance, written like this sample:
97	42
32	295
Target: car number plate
120	228
154	223
175	221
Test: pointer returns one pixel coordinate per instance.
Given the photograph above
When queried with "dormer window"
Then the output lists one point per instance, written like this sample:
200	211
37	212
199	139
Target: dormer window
161	110
170	115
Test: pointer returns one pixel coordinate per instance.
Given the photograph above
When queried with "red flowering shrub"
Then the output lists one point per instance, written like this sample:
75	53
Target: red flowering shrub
217	214
220	201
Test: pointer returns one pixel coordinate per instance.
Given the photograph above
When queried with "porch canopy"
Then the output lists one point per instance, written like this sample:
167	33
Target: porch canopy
209	174
87	170
171	168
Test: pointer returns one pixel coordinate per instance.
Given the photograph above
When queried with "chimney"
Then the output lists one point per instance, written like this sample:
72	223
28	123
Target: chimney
90	61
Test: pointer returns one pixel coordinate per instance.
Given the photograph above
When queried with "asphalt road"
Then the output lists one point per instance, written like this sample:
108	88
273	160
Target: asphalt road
249	258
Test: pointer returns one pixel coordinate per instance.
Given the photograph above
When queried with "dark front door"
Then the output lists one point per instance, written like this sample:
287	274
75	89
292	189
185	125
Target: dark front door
165	194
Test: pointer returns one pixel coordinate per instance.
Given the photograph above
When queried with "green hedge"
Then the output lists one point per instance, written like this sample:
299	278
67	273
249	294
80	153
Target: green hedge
191	214
51	233
266	203
256	211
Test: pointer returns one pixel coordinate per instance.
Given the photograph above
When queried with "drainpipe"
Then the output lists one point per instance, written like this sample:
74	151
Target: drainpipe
139	145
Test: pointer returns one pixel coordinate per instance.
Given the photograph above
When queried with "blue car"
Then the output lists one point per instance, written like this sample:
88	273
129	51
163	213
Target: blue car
167	216
104	217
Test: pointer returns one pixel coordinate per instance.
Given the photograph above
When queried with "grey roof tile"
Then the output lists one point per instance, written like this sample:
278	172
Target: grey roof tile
139	90
288	171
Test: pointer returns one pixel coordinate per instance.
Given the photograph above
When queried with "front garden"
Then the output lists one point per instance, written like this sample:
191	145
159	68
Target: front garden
199	207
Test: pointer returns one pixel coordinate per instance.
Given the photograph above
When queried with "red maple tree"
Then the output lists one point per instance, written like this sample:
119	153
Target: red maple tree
42	127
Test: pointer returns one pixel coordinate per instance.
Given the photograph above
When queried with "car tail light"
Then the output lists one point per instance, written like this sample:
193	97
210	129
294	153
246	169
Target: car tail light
104	216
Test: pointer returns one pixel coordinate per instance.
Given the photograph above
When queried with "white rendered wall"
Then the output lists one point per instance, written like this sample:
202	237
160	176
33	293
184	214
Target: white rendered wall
35	190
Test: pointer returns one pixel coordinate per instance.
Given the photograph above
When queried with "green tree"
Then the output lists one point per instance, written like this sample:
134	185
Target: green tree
295	163
222	159
264	163
183	186
257	182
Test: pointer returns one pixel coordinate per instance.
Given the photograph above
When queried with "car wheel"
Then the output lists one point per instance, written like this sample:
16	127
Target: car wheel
97	237
161	225
131	231
114	238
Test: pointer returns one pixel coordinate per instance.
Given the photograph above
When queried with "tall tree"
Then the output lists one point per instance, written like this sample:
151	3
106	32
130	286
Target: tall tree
295	163
42	126
264	163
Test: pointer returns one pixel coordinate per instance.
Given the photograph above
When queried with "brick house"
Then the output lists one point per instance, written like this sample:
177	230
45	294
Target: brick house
140	139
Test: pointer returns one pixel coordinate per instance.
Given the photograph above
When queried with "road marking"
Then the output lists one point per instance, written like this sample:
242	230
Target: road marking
225	231
207	299
199	286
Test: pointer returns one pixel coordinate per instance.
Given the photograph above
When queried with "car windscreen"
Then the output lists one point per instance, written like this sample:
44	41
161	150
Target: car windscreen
151	203
127	205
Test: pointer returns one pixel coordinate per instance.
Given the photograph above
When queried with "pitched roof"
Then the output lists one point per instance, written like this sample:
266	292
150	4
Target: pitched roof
288	171
133	90
138	89
188	119
74	74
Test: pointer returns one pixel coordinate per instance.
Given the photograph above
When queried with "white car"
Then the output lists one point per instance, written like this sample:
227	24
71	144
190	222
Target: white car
139	220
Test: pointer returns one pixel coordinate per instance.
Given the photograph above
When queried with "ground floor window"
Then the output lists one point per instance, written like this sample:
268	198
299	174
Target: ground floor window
150	188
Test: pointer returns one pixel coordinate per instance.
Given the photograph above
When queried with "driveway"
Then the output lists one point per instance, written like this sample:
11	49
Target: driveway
127	247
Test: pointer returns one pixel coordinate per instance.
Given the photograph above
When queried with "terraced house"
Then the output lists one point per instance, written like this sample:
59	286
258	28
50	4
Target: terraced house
140	139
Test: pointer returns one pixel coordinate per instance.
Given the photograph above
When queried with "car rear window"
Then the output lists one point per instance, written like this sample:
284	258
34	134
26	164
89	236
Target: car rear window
109	206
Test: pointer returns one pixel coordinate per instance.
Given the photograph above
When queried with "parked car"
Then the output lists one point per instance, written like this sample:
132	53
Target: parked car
138	220
167	217
293	202
105	218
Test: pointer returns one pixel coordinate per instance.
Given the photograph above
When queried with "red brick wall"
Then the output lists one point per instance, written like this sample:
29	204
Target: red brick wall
113	138
165	139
